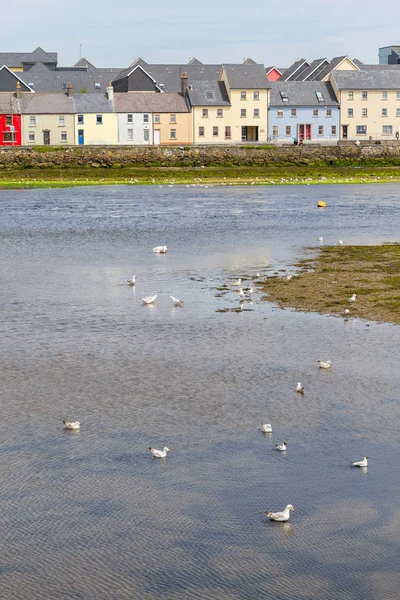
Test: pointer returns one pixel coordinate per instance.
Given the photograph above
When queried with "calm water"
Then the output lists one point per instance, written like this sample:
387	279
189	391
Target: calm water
89	515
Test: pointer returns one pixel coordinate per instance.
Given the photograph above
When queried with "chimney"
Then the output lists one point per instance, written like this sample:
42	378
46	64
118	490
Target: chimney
18	90
184	84
69	90
110	91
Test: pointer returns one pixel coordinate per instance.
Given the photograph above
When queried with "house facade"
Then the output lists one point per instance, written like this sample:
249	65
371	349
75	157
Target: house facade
369	103
95	120
303	111
47	119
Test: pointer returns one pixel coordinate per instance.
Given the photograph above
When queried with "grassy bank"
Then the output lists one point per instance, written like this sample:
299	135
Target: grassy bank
332	275
228	175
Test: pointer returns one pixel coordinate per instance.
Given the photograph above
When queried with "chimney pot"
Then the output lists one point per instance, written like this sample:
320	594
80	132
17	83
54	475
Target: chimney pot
69	90
184	84
110	91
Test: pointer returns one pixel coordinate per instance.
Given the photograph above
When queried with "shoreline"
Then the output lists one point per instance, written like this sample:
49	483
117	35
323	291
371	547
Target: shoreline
326	280
196	176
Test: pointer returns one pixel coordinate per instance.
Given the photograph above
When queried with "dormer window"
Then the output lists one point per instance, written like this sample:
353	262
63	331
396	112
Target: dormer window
97	86
320	97
31	85
284	97
209	95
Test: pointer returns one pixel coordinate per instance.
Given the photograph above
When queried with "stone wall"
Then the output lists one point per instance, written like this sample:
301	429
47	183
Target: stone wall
162	156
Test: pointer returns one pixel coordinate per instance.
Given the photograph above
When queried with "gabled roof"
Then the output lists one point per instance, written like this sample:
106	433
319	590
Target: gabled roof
335	62
388	79
208	93
302	93
39	55
42	104
269	69
24	86
56	81
132	102
246	77
249	61
290	73
316	67
194	61
83	62
92	103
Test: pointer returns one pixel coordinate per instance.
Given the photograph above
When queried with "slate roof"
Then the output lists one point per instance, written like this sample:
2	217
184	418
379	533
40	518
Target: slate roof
314	69
132	102
52	81
168	77
363	67
41	104
246	77
293	69
15	59
194	61
197	92
388	79
93	103
39	55
335	62
302	93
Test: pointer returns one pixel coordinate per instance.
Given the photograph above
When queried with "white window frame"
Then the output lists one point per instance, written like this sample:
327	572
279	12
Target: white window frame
388	127
363	127
146	118
64	134
129	118
256	113
172	118
172	134
384	113
243	95
61	121
32	121
31	136
129	135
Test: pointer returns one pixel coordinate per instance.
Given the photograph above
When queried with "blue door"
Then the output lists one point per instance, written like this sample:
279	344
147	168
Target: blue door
81	137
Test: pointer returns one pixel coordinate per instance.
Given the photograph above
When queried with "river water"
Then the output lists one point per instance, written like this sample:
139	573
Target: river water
89	514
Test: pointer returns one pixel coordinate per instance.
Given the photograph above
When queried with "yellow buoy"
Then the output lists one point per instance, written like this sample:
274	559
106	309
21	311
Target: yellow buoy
321	204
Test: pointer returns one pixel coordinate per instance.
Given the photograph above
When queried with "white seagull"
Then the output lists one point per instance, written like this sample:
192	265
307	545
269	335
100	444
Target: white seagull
132	281
346	311
300	388
324	364
281	516
289	277
72	425
159	453
250	290
237	283
176	301
149	299
281	447
266	428
257	274
320	239
361	463
353	298
160	249
241	293
339	242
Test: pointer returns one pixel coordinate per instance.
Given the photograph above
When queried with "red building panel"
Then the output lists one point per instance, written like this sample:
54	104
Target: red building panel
10	130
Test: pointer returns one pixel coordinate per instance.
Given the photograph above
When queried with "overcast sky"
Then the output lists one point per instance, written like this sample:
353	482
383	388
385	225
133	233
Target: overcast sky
113	33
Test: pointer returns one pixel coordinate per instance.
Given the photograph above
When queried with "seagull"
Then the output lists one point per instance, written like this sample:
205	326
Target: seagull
346	311
176	301
266	428
324	364
289	277
257	274
339	242
148	299
361	463
159	453
237	283
320	239
73	425
160	249
241	293
353	298
132	281
300	388
250	290
281	516
281	447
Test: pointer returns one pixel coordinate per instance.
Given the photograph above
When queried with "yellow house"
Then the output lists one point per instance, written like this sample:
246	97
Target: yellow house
47	119
369	104
232	109
96	121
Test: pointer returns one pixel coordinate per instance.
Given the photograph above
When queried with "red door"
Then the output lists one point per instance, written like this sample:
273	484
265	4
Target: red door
301	133
308	132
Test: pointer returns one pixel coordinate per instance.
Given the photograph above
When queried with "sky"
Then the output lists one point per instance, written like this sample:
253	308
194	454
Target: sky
112	34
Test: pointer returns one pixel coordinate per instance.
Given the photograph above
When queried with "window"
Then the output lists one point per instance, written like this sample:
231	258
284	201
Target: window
315	112
97	86
328	112
99	119
61	121
275	130
280	113
361	130
80	119
9	136
32	121
384	95
172	118
320	97
156	118
215	131
256	113
364	112
242	113
293	112
364	95
397	112
172	134
243	95
146	135
8	120
333	130
209	95
350	112
129	118
145	118
129	135
387	130
256	95
201	131
31	136
398	95
350	95
384	112
288	130
227	132
31	85
64	137
220	112
284	97
205	113
320	130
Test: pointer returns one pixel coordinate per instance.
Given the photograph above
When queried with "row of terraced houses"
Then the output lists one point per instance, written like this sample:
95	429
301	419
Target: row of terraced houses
321	101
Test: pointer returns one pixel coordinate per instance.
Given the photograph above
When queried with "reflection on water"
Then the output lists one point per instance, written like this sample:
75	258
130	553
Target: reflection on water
88	514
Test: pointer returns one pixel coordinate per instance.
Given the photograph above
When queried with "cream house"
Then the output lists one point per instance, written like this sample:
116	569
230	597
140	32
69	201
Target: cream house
96	121
369	104
47	119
